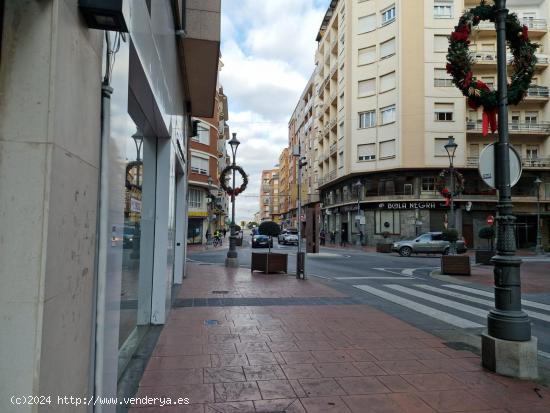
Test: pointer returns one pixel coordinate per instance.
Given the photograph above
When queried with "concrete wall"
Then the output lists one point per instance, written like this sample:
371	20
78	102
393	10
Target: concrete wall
49	160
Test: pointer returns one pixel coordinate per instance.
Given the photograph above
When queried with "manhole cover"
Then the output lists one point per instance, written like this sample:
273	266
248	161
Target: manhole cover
211	322
220	292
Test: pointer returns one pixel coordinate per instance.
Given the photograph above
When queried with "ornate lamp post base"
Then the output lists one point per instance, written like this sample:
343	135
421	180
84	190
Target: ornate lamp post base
232	258
510	358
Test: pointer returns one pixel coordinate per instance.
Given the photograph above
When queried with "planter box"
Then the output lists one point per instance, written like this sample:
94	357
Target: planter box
384	248
484	256
269	262
238	242
455	265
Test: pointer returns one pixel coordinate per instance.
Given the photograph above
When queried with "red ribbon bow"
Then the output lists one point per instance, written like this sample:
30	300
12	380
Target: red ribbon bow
489	120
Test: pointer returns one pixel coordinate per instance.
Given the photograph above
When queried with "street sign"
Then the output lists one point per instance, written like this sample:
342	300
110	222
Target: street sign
487	165
490	220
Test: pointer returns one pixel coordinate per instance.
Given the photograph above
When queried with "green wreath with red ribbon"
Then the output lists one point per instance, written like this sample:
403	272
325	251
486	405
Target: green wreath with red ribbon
460	62
224	177
441	185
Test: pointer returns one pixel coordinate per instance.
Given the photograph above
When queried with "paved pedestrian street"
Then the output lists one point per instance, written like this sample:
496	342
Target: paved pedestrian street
242	342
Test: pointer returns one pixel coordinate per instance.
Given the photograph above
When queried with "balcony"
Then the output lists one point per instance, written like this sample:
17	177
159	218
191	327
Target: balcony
490	58
539	162
333	149
542	128
537	93
534	25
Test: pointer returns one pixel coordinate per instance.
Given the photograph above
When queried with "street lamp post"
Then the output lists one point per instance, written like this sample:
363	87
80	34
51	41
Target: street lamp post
539	250
507	346
209	206
300	257
358	185
232	259
450	147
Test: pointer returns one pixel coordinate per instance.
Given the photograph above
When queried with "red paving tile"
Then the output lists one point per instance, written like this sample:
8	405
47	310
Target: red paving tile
315	359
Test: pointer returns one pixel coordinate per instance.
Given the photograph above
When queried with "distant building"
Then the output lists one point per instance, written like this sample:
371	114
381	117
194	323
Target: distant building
269	207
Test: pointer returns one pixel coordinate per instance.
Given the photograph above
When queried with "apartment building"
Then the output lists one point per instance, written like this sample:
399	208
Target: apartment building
208	203
269	196
384	107
284	189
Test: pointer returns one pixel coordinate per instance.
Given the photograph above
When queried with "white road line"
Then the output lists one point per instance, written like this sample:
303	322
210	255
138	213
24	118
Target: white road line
388	270
527	303
544	354
488	303
420	308
321	276
374	278
441	301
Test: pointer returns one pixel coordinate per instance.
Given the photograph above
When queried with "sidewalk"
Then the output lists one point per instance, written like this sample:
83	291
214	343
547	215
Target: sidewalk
535	276
246	343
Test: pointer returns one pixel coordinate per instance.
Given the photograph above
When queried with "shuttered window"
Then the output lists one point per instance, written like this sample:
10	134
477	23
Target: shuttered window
366	23
387	82
366	152
387	149
387	48
367	87
366	55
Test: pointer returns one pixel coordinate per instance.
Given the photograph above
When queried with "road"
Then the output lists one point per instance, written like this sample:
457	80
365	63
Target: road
404	287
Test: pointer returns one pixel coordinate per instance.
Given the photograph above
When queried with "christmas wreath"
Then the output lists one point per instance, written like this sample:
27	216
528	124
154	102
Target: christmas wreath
224	177
460	61
441	185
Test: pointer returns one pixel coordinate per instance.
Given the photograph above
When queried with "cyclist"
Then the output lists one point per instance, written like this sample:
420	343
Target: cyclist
217	238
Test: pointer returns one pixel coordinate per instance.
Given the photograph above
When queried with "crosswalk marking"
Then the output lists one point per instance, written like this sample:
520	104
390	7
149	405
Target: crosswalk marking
373	278
484	293
420	308
531	314
441	301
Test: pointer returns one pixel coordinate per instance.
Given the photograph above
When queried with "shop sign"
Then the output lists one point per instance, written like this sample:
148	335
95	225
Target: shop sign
407	205
198	214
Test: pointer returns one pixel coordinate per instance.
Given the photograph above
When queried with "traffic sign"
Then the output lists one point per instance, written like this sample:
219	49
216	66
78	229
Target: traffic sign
487	165
490	220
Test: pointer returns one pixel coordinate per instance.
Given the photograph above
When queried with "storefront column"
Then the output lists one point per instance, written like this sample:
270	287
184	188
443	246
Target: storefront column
181	229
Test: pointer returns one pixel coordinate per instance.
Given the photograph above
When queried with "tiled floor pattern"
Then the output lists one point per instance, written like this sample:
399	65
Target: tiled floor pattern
320	359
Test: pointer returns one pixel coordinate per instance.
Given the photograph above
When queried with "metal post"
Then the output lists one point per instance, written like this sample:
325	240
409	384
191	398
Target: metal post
232	259
452	222
506	321
539	250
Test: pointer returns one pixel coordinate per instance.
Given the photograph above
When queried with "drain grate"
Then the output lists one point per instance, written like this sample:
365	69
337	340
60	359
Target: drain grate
211	322
220	292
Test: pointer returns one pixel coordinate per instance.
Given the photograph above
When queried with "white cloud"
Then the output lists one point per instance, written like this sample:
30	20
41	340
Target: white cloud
268	52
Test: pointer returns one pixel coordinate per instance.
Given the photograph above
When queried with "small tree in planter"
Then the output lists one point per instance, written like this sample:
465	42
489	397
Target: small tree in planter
484	256
270	262
454	264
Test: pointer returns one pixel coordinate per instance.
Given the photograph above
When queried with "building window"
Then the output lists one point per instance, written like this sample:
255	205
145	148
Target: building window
441	43
203	135
387	82
428	184
489	81
531	117
532	152
195	198
388	15
387	114
387	149
366	152
387	221
366	24
444	112
367	119
442	78
439	148
366	55
387	48
443	9
199	165
367	87
340	160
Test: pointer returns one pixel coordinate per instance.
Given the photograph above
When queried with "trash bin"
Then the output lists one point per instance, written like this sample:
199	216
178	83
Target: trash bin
300	265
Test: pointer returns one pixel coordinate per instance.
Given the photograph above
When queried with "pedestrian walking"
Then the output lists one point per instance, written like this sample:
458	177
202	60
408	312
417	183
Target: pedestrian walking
322	236
344	238
361	235
332	237
224	232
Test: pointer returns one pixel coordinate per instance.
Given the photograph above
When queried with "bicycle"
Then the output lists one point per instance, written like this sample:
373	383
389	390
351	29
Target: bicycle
217	242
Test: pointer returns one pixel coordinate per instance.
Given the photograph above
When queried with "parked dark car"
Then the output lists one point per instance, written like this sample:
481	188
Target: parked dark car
429	243
261	241
281	237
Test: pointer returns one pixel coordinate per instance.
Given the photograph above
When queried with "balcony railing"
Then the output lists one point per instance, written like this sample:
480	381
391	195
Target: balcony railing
333	149
532	128
537	91
539	162
532	24
491	58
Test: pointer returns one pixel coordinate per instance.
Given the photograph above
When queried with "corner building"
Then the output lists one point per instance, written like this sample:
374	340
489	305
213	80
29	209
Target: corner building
384	107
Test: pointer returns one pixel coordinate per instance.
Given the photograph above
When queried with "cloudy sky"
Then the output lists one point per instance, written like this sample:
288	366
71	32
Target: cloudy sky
268	49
